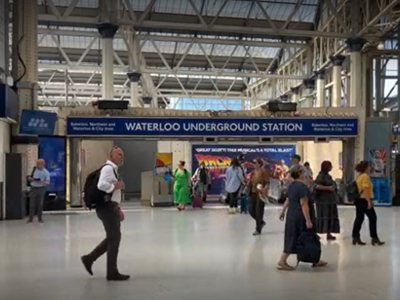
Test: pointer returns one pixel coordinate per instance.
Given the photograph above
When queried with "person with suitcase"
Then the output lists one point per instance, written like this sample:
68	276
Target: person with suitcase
234	183
202	178
300	220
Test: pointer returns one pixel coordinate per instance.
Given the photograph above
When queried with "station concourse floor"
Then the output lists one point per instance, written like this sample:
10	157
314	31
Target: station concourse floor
193	255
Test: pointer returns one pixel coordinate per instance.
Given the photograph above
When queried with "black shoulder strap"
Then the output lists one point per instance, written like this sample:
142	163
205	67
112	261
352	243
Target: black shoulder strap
115	173
33	171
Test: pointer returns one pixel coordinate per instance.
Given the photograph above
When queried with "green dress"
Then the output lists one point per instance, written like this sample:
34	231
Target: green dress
181	187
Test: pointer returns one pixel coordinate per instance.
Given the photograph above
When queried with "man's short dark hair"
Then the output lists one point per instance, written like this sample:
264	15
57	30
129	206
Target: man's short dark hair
296	156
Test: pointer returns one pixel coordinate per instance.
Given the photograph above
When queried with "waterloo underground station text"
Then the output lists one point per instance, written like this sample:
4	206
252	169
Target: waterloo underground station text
217	127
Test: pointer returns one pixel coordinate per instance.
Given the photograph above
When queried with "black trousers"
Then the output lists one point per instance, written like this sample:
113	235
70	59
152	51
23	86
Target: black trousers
110	216
233	199
362	210
257	210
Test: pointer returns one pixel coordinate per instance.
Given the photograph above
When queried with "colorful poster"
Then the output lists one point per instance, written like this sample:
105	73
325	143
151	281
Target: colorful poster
377	163
163	165
379	179
218	157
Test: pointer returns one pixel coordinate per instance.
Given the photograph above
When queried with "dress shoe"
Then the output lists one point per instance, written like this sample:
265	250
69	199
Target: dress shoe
330	237
88	264
358	242
118	277
377	241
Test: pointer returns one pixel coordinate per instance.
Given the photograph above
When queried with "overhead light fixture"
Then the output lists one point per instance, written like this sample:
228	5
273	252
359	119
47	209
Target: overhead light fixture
10	80
381	46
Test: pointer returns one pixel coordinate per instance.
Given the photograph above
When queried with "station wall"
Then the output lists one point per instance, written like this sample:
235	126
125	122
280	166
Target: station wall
4	145
138	158
316	153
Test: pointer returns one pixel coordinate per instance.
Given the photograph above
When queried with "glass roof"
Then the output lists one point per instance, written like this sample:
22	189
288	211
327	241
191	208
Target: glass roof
277	9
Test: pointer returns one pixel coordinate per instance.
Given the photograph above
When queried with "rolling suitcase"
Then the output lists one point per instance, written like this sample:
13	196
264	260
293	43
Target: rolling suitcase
244	204
197	197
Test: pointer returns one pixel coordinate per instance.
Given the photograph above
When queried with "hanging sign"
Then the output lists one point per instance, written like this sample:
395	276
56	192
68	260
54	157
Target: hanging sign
200	127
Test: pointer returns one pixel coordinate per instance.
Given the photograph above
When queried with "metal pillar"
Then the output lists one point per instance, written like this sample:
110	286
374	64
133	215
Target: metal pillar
337	62
75	167
25	45
4	50
378	85
355	45
273	88
357	77
134	78
295	94
321	95
107	32
309	85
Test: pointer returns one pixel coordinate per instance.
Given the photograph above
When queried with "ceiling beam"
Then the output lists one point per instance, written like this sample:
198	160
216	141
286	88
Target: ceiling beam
173	25
173	73
179	39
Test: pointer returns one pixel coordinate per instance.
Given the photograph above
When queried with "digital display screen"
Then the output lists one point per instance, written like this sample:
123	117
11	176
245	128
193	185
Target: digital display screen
53	151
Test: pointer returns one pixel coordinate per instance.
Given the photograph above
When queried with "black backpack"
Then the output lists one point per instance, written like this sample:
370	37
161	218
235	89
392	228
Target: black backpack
308	248
94	197
352	191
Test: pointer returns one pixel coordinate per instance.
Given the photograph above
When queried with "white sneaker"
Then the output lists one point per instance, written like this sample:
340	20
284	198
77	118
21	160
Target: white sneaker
232	211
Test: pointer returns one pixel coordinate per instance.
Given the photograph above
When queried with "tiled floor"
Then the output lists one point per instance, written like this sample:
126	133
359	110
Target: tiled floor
192	255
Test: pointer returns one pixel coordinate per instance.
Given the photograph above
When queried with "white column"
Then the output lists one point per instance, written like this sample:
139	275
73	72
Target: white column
356	93
295	94
107	32
273	88
147	101
134	78
337	62
309	85
25	25
320	98
355	46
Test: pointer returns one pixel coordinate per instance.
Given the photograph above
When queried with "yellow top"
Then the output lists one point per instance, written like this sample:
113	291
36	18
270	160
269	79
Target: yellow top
365	186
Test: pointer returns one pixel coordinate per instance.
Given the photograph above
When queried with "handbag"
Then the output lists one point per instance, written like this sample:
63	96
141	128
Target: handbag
28	182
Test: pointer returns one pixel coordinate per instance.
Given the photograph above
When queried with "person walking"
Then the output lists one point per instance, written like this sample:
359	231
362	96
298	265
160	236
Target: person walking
300	217
305	175
364	206
258	183
309	170
111	215
325	200
202	178
39	180
181	186
234	183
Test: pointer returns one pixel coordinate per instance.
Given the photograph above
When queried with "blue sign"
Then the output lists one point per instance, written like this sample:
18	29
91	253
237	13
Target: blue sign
37	122
53	150
8	103
381	190
218	157
200	127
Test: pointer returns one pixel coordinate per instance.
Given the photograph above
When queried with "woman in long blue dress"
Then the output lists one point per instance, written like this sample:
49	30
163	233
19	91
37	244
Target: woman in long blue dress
299	218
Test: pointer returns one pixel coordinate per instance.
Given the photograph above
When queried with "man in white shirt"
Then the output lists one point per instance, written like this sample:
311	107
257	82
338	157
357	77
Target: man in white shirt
111	215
